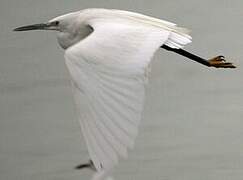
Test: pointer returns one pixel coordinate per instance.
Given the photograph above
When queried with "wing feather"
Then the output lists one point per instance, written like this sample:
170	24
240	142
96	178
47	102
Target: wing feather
108	71
89	141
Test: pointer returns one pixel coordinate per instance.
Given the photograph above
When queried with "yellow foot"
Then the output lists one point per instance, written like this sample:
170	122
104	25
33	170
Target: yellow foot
220	62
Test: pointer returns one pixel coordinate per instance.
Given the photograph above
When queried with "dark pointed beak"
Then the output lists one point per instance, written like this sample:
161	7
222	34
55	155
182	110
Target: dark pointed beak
41	26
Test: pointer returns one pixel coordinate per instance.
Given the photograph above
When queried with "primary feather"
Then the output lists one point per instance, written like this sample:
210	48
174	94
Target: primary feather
108	66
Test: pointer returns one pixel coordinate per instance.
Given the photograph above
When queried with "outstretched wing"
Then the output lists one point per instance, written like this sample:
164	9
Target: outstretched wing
108	72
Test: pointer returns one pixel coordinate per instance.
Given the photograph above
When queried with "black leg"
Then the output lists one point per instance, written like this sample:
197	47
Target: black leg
218	62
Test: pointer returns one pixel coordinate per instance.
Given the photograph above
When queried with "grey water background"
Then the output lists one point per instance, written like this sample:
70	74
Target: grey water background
193	120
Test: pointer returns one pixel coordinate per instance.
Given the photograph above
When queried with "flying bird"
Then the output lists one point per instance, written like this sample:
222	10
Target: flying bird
107	54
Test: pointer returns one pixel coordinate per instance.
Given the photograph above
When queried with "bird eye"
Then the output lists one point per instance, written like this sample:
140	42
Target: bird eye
56	23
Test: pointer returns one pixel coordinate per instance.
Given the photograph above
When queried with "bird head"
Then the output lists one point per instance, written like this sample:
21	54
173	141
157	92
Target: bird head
69	27
60	23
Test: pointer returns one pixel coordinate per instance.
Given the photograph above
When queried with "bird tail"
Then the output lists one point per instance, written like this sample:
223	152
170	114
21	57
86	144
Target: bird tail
178	37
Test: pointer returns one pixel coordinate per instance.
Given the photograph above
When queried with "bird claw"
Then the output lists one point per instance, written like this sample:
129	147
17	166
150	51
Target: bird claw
220	62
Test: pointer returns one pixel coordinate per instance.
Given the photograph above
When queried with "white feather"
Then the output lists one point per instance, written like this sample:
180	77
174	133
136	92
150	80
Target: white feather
108	71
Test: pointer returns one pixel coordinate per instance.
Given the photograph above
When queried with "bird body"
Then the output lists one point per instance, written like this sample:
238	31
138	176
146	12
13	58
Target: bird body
107	54
76	26
108	71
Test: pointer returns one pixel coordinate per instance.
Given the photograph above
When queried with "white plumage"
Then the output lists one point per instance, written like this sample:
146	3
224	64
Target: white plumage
107	53
108	72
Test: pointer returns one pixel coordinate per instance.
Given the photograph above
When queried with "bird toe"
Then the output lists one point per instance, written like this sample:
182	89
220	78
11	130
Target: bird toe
220	62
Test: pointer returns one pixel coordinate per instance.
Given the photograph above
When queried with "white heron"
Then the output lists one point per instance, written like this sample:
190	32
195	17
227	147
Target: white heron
107	54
